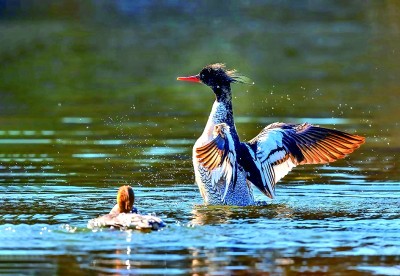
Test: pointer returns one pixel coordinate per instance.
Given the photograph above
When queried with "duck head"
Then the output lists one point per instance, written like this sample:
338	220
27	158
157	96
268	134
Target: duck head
217	77
125	199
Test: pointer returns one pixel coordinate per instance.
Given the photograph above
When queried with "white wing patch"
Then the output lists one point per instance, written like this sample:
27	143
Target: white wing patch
274	159
269	142
282	169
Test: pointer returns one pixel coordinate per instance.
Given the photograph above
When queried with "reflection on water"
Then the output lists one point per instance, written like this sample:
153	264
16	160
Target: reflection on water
89	104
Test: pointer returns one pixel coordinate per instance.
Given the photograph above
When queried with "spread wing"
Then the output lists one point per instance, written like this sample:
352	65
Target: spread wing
279	147
219	157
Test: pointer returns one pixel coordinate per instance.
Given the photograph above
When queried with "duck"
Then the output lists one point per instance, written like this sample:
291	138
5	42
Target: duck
226	169
124	216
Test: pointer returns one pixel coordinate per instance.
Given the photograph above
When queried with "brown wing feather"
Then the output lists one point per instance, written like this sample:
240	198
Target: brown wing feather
212	154
322	145
214	161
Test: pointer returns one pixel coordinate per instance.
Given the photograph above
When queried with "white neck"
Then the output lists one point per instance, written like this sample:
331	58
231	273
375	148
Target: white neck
218	115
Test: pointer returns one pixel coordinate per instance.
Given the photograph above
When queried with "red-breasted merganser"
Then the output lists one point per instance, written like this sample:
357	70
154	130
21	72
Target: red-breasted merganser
124	215
225	168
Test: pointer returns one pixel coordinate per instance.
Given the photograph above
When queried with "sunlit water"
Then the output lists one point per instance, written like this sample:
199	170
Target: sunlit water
66	147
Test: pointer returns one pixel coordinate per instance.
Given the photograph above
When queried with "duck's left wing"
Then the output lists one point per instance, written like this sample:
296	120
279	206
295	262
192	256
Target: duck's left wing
218	157
280	147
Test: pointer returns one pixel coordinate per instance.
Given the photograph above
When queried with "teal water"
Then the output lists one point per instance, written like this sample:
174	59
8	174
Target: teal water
89	102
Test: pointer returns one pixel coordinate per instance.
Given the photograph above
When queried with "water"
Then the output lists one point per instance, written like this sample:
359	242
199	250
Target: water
88	105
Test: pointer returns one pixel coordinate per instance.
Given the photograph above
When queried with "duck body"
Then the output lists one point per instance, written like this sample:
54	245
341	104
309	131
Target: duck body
127	221
216	186
226	169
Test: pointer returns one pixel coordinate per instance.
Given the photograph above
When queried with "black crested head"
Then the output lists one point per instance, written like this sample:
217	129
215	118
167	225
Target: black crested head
216	75
219	79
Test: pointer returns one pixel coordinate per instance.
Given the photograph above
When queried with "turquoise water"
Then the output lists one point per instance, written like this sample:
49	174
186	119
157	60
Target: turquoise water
89	104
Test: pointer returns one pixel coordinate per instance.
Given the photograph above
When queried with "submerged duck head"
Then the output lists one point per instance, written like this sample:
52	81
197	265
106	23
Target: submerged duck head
216	76
125	199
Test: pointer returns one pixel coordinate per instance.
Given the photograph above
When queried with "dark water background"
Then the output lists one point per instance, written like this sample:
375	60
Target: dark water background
89	101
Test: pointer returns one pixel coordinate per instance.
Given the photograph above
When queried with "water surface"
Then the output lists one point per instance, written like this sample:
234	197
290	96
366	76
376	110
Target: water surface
89	104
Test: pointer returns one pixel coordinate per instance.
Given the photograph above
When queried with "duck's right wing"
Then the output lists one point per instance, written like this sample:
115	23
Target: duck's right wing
280	147
218	157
